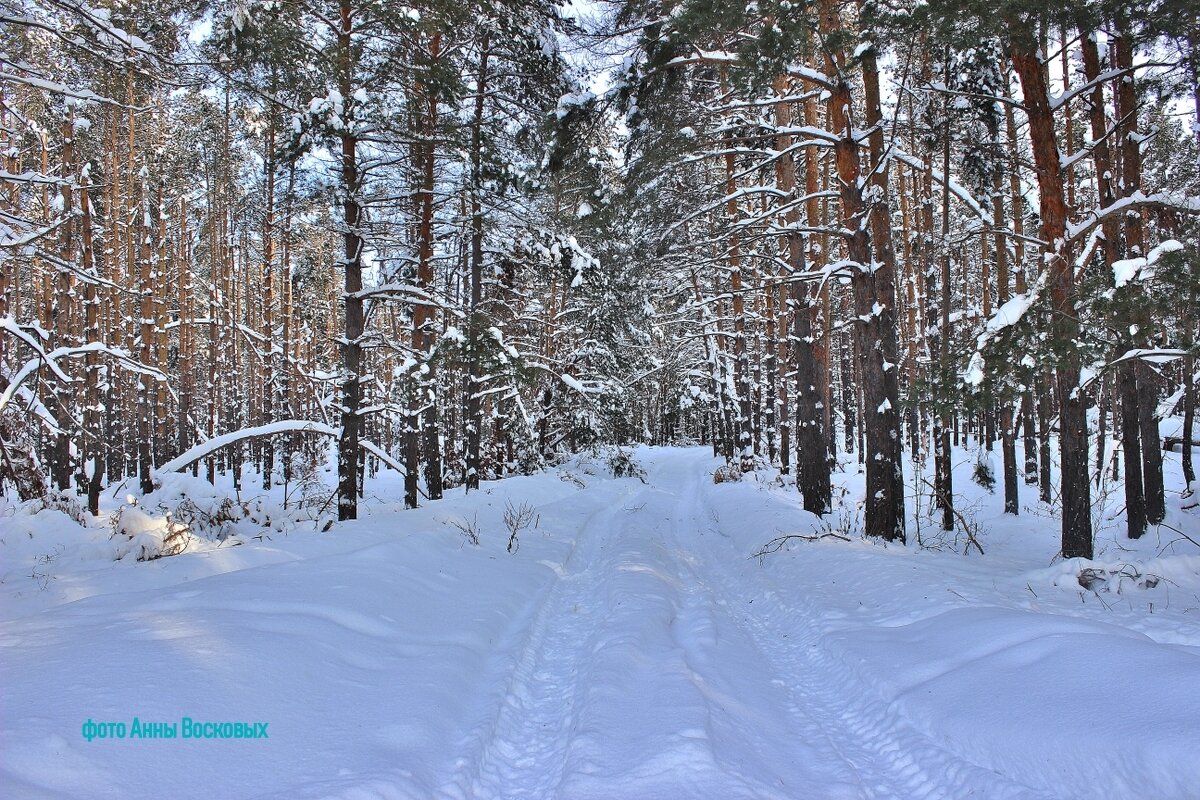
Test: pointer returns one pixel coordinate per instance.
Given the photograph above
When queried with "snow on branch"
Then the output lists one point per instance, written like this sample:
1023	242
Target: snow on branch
214	444
52	357
1128	269
11	237
956	188
65	91
1057	101
30	176
1147	355
718	57
574	383
1152	355
1007	315
1169	404
1161	200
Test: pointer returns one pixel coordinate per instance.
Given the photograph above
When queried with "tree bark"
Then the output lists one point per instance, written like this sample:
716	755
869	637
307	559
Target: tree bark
1073	440
874	296
1008	434
943	464
93	436
425	401
1126	380
812	461
883	362
1147	379
741	364
474	410
349	457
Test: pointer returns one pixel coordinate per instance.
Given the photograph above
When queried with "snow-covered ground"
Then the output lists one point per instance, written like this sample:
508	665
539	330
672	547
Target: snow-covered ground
632	647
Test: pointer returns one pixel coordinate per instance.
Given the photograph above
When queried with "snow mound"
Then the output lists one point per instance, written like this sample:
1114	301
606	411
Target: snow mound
1020	693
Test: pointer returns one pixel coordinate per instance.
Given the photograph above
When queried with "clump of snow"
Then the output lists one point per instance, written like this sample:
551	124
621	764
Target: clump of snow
572	100
1010	312
147	536
1129	269
973	376
573	382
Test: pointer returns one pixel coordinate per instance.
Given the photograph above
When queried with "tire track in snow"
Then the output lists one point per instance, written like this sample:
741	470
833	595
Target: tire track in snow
730	666
826	772
524	751
892	757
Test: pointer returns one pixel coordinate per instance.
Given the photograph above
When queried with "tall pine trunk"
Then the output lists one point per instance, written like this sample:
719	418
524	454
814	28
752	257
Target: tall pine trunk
812	461
1073	440
1147	379
873	295
474	409
348	442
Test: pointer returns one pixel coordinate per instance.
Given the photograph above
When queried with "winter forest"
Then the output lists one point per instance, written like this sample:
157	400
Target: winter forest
511	350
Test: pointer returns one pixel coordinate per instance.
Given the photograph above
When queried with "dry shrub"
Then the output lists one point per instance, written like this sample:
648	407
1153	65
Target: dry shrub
727	473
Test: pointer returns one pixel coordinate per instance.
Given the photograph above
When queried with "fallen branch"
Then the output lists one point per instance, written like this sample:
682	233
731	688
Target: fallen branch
779	542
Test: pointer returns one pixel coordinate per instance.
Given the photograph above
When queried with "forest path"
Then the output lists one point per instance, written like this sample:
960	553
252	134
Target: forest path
665	662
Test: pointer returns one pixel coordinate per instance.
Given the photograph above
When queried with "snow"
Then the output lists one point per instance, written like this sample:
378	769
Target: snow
1129	269
973	376
1010	312
572	100
629	648
573	382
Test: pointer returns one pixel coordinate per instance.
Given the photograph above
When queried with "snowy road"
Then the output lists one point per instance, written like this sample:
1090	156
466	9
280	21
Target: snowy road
663	651
631	648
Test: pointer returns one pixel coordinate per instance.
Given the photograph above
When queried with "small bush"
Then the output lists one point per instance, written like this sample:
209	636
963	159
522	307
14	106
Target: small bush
469	528
985	475
148	536
727	473
65	502
213	522
1119	579
622	464
517	519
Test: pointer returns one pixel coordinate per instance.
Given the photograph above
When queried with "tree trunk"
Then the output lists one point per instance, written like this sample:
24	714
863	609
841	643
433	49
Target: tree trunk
1073	440
1147	379
1008	434
145	410
349	457
271	380
874	298
1189	419
93	436
474	410
1126	380
812	462
741	363
943	463
425	405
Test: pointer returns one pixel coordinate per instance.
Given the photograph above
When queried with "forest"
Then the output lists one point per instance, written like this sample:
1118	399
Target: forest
599	399
461	240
